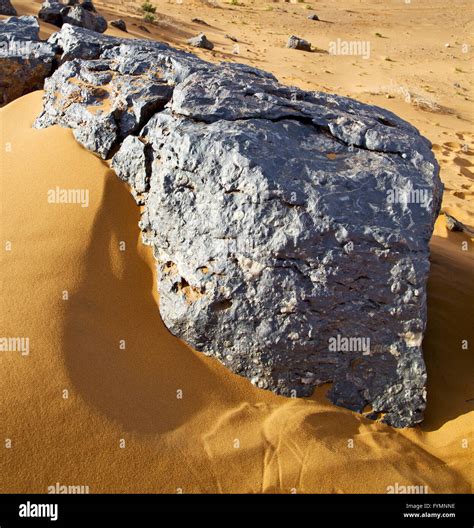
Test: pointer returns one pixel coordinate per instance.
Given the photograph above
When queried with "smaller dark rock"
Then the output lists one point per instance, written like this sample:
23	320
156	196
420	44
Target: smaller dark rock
298	44
453	224
119	24
78	16
199	21
89	6
231	37
6	8
201	41
313	17
51	12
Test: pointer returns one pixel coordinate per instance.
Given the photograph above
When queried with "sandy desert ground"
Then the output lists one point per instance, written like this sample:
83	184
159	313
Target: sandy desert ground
69	286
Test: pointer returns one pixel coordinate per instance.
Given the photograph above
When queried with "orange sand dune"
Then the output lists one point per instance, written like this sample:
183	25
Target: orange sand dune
223	435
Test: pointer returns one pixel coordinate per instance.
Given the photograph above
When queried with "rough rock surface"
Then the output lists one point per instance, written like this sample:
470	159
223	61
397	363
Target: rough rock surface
82	15
6	8
279	250
101	104
24	60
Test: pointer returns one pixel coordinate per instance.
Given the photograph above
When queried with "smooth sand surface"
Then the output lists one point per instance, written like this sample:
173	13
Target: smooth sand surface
223	435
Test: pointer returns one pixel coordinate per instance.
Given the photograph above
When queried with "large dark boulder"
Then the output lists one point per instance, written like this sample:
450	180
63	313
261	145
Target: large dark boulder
287	239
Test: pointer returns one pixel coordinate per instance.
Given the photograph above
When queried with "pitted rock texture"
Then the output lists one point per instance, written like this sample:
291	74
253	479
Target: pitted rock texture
25	61
279	249
102	105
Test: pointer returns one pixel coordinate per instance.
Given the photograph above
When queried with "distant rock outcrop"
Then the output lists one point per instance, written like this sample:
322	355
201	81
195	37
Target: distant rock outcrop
287	241
25	61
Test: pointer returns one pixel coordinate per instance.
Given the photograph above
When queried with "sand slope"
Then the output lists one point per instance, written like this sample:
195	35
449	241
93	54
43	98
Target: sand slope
224	435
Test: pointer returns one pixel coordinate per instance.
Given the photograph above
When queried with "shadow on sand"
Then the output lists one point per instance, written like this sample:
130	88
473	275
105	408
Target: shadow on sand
136	386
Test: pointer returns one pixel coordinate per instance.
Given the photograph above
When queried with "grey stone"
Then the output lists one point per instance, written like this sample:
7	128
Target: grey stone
280	247
25	61
313	17
74	42
298	44
7	9
201	41
119	24
454	224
